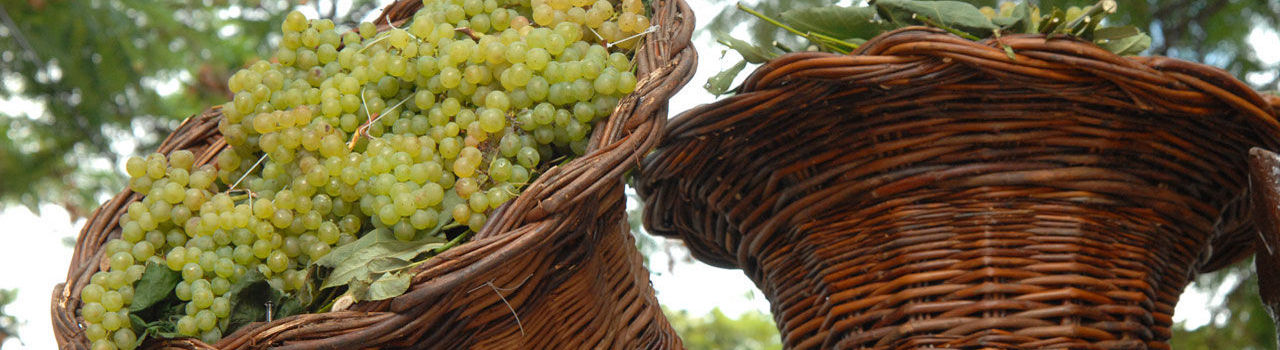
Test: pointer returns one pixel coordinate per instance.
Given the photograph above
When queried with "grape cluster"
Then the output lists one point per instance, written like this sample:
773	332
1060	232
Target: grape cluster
437	121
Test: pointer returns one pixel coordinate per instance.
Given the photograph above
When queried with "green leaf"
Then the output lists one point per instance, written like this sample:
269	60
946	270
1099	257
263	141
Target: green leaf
359	289
1020	20
390	285
157	283
159	329
1112	33
352	261
752	53
840	22
387	264
719	84
949	14
289	307
1027	19
249	297
1129	45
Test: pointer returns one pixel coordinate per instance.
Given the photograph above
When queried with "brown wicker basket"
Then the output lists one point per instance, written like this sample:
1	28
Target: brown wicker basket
556	268
930	191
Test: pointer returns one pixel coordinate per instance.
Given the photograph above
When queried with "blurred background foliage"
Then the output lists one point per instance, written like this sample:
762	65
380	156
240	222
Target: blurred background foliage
86	83
94	72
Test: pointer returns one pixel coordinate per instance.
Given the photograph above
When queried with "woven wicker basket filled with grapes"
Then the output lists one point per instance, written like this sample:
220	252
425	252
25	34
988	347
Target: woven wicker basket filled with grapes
361	190
930	191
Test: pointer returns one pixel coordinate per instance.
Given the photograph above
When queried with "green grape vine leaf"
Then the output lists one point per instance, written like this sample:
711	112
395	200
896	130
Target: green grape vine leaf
249	298
1126	40
719	84
1023	19
750	52
372	267
157	283
947	14
353	260
163	329
388	286
841	22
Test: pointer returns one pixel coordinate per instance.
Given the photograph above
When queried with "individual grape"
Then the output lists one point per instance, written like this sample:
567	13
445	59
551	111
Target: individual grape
112	301
112	321
192	271
125	339
95	331
93	312
187	325
91	293
103	344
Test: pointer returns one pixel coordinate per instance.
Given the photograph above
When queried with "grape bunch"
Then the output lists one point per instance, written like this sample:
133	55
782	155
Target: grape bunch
435	122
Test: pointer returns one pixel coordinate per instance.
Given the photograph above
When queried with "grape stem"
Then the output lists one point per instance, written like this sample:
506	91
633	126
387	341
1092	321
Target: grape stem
469	32
246	173
504	299
824	40
364	129
651	29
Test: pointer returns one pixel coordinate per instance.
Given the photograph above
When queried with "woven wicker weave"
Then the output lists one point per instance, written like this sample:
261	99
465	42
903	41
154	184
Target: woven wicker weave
930	191
556	268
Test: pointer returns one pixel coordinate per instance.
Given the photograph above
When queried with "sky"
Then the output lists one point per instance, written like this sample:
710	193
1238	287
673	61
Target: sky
33	258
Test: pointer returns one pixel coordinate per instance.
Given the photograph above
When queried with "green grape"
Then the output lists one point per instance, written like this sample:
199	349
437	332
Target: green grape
93	312
192	271
125	338
187	325
112	301
112	321
103	344
91	293
95	331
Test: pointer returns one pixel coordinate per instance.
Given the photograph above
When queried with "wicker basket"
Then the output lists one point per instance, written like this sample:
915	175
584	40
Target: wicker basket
930	191
556	268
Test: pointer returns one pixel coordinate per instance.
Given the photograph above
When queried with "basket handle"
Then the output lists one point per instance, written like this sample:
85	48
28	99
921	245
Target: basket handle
1264	183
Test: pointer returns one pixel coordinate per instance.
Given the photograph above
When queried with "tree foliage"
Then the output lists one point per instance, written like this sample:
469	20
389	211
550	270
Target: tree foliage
1215	32
92	68
8	323
716	331
1240	322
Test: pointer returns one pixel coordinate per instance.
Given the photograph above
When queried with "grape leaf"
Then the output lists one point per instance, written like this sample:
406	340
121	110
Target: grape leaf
1128	45
161	329
841	22
387	264
390	285
752	53
249	297
720	83
952	14
156	283
1113	33
353	260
